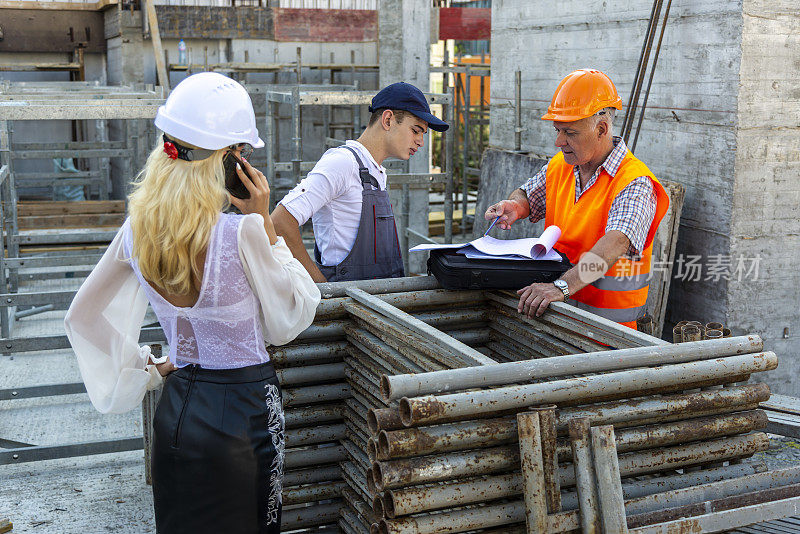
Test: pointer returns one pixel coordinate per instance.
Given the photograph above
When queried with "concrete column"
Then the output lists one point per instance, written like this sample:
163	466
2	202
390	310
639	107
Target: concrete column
764	289
404	55
125	66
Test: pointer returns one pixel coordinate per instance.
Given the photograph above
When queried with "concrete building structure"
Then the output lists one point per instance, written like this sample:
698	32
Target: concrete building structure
120	52
404	29
723	119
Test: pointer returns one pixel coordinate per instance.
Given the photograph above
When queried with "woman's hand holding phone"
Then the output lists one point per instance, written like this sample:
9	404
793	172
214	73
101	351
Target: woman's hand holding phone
258	187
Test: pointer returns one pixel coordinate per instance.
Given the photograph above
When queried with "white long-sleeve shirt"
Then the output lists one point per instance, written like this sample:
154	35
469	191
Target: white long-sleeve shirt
105	318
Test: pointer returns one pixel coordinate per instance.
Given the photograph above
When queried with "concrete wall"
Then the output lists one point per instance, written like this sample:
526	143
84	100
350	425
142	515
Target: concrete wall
766	194
722	120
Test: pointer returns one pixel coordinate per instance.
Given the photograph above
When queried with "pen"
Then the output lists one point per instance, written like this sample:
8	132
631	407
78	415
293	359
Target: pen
491	225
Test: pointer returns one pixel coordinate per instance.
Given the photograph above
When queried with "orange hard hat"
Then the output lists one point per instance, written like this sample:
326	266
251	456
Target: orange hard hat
581	94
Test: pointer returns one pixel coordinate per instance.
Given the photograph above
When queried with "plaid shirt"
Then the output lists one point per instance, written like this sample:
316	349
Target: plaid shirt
631	212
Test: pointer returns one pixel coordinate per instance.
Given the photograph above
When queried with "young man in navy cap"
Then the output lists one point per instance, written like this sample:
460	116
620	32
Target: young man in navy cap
345	194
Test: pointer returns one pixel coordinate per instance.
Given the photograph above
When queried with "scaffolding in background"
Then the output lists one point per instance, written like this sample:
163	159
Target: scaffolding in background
75	101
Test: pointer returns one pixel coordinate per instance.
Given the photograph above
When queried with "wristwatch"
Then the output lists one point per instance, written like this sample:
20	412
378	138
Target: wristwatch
562	285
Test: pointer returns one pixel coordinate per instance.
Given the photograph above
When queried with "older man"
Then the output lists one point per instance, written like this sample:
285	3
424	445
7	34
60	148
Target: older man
607	203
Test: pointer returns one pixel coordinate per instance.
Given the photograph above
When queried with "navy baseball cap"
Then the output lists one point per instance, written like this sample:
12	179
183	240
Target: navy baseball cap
406	97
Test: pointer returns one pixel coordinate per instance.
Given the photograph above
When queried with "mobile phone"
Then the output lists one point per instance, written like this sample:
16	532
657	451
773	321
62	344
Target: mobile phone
233	183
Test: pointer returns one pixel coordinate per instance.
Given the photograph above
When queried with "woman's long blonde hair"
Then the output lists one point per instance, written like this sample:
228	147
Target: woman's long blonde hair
173	207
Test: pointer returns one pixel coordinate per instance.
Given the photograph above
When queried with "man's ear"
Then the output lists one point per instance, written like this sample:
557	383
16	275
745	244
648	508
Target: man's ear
386	118
602	129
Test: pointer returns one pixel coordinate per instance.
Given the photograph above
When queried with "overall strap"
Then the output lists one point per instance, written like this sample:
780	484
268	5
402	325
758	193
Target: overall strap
363	172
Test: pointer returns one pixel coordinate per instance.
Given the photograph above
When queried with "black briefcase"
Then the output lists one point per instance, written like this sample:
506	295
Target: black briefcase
456	271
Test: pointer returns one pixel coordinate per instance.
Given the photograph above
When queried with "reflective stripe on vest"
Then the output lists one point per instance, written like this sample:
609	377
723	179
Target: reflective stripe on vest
623	283
618	315
624	287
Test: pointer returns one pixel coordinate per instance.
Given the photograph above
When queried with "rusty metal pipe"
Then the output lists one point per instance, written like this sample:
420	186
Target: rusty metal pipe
691	332
666	408
416	499
384	419
430	409
448	350
684	431
714	490
322	473
309	516
533	469
444	438
395	387
379	286
437	468
547	429
677	334
372	450
299	437
410	471
462	435
313	493
579	434
714	334
390	346
743	500
310	374
414	347
312	415
642	488
307	354
306	457
663	459
314	394
607	476
333	308
378	348
688	496
457	520
329	331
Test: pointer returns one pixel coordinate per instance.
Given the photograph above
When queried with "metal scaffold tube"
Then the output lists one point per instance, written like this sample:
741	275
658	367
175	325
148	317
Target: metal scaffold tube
395	387
430	409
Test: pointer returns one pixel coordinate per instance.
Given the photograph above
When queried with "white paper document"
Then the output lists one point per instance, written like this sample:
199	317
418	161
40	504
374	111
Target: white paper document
488	247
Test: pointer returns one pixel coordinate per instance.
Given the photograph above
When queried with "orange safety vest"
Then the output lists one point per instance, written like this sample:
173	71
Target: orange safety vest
621	294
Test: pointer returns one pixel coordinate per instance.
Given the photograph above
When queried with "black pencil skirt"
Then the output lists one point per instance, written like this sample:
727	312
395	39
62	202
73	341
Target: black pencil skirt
218	445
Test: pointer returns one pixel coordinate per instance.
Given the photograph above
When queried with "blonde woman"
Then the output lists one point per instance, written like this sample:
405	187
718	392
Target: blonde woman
223	287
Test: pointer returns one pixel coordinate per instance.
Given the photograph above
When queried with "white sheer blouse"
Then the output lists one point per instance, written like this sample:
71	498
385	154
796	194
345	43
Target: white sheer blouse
105	318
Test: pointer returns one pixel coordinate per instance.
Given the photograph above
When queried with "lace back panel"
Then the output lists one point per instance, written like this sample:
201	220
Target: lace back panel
222	330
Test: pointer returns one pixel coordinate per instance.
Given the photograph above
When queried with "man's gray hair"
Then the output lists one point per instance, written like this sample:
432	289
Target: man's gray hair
607	115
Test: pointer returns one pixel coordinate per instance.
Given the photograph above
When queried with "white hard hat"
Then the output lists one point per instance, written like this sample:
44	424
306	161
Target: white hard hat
210	111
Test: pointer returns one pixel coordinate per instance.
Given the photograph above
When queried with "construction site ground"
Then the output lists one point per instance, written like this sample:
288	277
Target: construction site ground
107	492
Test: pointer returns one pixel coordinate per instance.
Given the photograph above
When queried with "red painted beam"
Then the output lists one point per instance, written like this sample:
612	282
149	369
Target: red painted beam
325	25
465	23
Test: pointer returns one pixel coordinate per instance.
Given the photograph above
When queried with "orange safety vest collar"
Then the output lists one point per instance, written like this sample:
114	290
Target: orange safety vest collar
621	294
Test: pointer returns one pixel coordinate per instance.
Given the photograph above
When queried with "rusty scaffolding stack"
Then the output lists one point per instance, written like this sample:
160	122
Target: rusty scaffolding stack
412	409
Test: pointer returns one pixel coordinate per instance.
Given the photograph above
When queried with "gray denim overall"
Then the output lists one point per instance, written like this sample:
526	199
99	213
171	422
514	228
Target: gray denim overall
376	251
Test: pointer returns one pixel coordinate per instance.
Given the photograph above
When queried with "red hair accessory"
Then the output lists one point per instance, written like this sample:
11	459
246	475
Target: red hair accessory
170	150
